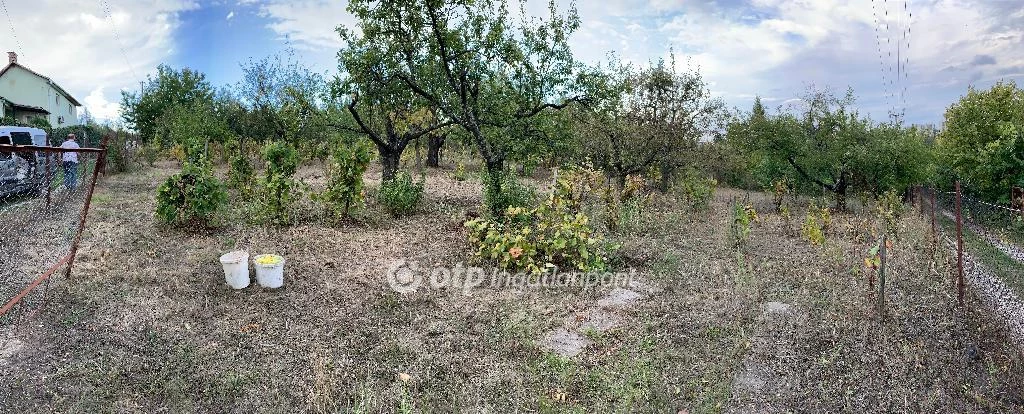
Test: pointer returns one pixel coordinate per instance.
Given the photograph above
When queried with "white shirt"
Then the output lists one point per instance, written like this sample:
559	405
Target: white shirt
70	156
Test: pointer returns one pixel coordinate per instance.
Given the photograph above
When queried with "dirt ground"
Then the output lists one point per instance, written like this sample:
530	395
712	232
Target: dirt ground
147	324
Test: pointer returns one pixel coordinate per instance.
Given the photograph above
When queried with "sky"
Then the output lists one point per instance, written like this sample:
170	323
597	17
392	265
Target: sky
773	49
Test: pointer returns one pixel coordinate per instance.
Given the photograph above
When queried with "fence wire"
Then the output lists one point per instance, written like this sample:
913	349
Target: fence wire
42	199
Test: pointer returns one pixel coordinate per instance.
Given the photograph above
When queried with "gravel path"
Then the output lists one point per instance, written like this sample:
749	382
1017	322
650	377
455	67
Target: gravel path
995	294
1010	250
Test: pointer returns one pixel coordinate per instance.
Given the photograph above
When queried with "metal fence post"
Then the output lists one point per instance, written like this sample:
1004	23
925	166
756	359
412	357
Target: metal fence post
935	234
881	277
959	248
100	161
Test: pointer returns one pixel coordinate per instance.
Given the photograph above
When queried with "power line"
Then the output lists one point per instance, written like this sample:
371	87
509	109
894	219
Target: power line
13	33
108	13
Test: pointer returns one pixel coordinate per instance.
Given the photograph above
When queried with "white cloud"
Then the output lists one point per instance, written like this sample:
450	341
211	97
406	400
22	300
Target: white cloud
309	24
230	15
100	107
769	47
74	43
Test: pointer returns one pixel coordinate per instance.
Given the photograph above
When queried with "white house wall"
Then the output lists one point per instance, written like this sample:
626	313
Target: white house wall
25	88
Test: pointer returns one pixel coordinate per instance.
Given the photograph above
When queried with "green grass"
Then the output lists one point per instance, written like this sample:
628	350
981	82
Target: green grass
1005	267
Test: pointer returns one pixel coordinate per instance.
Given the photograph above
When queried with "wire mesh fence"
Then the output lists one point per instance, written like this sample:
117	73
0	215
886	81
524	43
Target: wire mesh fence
44	196
1000	225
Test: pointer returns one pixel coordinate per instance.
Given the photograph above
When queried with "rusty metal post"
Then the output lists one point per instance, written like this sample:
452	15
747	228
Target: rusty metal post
959	248
881	277
935	234
48	180
100	160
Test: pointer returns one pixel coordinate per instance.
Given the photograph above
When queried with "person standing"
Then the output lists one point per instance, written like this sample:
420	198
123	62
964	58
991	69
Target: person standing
70	160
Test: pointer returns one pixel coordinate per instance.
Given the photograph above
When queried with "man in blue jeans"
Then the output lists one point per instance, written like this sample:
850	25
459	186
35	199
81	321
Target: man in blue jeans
70	159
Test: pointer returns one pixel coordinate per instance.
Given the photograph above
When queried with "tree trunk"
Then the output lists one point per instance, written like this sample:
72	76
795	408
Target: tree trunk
389	159
840	191
495	172
666	178
434	145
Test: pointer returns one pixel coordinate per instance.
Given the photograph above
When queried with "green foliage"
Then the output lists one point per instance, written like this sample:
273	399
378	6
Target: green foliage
554	234
240	170
697	189
780	189
516	70
39	122
825	143
150	152
401	195
639	120
816	224
502	191
983	141
192	197
193	128
345	171
169	88
890	208
278	190
460	174
743	216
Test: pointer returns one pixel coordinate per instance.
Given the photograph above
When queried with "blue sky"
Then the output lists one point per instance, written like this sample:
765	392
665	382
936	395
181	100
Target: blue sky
771	48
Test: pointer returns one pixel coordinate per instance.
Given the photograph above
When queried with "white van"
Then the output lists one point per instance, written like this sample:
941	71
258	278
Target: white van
22	171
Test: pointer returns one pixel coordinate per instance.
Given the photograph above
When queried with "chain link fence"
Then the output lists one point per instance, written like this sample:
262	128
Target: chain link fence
44	198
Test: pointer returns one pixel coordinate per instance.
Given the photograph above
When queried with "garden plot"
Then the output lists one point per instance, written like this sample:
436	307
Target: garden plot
147	324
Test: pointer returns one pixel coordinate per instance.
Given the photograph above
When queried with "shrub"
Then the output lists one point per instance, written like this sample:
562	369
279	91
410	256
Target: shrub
460	172
780	188
401	195
278	190
697	190
240	170
816	224
345	177
537	240
743	215
502	191
890	209
150	152
190	198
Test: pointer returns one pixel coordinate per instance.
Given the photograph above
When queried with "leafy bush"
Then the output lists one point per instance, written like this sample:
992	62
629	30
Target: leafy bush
890	209
743	215
190	198
400	195
278	190
240	170
780	188
697	190
816	224
150	152
537	240
345	177
460	172
502	191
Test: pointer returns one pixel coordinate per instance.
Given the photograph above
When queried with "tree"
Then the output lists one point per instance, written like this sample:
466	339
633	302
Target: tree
639	120
142	111
474	64
982	142
280	99
379	104
823	143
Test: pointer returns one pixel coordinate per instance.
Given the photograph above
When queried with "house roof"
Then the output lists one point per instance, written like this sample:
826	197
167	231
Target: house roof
26	107
48	80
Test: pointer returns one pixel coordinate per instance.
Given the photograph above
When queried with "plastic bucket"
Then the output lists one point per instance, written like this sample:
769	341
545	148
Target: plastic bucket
269	270
236	268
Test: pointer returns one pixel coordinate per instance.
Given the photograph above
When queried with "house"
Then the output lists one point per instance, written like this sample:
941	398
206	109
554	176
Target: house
26	94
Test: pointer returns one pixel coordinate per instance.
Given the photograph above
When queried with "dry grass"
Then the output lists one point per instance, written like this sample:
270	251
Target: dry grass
147	324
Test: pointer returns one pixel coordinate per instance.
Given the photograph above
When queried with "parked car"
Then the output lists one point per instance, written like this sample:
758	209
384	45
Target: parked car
22	172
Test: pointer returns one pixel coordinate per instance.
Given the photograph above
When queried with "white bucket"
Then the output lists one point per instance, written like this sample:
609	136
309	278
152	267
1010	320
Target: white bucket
270	275
236	268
